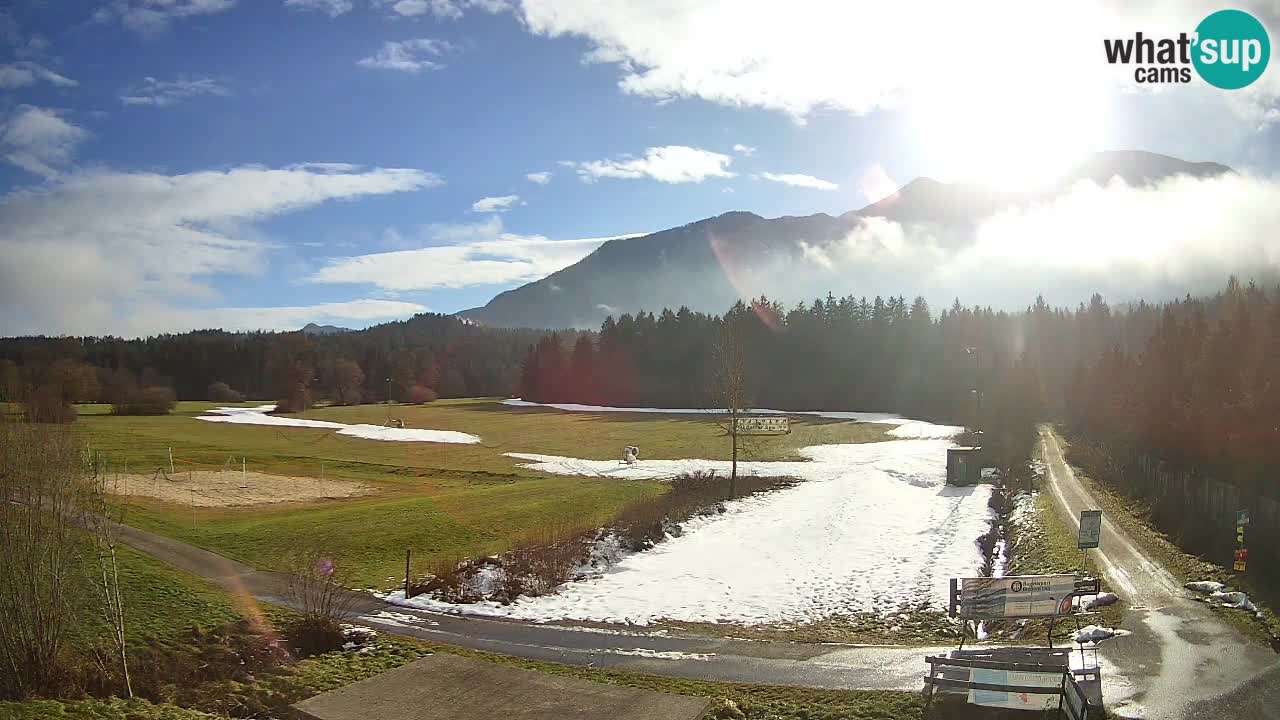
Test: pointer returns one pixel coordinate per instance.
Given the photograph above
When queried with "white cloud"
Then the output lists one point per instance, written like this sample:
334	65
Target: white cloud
441	9
333	8
930	61
24	73
798	180
460	256
38	140
93	251
344	314
1183	236
668	164
163	93
411	56
495	204
744	150
152	17
539	178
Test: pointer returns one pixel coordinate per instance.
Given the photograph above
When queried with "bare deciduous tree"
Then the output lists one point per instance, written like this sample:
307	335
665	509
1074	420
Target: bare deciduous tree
730	390
103	522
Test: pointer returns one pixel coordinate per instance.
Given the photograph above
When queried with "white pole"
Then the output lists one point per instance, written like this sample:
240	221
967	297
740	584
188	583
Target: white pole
171	470
244	474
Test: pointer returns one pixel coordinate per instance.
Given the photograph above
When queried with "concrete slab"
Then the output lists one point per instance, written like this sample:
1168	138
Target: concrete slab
443	686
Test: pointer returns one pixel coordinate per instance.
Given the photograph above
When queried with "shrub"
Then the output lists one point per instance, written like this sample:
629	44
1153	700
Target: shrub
222	392
312	635
297	401
146	401
45	405
421	395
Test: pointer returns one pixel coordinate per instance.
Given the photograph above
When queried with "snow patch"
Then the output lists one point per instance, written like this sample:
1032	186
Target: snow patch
258	416
1205	586
906	429
873	527
660	654
1102	600
1096	633
398	619
1237	600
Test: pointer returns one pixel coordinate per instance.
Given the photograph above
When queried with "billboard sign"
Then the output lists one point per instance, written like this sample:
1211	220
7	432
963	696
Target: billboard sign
761	425
1017	596
1242	518
1090	529
1051	681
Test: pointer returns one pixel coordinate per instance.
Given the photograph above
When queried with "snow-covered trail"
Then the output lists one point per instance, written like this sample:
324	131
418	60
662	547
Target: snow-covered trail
906	427
872	528
258	416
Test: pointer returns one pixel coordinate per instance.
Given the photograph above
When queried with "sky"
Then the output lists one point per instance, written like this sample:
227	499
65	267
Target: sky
176	164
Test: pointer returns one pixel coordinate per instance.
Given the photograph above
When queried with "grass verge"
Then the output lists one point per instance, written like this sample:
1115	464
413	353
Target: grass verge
1042	542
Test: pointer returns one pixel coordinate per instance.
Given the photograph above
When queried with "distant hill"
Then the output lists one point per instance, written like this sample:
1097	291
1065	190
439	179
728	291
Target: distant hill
709	264
314	329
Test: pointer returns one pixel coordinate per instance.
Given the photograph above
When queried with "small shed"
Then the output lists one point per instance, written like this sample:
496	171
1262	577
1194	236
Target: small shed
964	465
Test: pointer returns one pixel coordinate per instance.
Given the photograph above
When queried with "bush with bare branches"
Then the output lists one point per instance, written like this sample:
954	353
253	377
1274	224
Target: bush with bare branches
45	405
421	395
315	591
43	482
224	393
154	400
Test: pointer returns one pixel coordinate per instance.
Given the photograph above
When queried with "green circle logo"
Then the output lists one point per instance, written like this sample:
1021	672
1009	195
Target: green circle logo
1232	49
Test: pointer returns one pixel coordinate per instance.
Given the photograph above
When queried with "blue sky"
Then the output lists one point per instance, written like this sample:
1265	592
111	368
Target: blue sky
180	163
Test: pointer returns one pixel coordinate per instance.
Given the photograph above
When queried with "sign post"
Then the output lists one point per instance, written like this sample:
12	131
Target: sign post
1090	529
1240	561
1090	534
763	425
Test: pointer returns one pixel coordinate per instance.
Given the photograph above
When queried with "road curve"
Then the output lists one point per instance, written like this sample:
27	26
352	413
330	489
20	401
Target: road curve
1182	660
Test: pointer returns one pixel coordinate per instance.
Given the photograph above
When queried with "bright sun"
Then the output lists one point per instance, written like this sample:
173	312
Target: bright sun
1017	114
1013	142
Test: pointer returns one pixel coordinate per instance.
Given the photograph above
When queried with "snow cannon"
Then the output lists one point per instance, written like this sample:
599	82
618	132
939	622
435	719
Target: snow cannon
630	454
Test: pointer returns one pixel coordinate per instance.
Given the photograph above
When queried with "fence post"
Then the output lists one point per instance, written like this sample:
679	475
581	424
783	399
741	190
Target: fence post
407	551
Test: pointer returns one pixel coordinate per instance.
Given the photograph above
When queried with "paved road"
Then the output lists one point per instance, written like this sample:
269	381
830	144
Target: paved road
1182	660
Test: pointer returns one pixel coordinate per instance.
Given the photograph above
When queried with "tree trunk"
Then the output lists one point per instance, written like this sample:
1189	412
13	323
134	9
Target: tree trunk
733	472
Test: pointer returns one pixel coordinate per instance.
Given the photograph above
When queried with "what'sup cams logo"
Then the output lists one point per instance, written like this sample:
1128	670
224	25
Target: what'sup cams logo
1228	50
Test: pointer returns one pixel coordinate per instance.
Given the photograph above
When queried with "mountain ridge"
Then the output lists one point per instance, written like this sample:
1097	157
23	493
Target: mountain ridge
672	267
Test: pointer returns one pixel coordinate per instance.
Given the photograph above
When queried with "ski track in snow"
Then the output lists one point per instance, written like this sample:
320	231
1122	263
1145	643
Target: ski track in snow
873	527
906	428
258	416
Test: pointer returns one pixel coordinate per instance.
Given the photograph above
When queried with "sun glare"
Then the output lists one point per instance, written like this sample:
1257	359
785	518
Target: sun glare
1010	143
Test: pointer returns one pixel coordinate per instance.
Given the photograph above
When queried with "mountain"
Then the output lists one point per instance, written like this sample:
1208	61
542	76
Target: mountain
314	329
709	264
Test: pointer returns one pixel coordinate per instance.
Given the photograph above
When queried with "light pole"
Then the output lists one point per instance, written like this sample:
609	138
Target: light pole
388	399
977	394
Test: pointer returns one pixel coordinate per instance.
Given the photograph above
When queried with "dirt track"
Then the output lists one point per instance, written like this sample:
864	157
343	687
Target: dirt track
1181	660
231	488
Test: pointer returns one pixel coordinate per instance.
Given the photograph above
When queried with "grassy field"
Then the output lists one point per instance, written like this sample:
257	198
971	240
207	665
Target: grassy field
437	500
